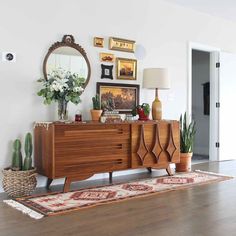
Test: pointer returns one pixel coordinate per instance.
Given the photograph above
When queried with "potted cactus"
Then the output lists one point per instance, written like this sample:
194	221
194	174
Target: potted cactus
96	112
28	152
20	179
16	156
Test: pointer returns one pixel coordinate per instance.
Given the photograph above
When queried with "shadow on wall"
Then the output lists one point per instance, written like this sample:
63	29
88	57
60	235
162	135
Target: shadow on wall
140	52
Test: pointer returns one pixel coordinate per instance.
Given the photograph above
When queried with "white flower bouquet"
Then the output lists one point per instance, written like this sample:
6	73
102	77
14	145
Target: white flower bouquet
62	86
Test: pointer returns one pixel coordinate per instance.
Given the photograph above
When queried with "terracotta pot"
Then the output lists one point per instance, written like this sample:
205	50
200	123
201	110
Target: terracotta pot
185	162
141	114
95	114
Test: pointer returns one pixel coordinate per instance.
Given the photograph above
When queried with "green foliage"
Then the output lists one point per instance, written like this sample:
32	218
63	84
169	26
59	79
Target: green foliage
187	133
17	156
144	106
28	152
96	102
134	111
62	85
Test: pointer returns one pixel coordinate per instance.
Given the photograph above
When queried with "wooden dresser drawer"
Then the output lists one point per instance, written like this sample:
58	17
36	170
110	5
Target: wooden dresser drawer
91	148
65	133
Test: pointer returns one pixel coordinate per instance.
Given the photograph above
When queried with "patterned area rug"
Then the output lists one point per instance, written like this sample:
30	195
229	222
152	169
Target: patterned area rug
58	203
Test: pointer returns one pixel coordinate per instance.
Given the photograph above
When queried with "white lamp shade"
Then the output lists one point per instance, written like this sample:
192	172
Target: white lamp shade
156	78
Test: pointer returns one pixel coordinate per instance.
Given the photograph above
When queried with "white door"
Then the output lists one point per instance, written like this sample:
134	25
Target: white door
227	110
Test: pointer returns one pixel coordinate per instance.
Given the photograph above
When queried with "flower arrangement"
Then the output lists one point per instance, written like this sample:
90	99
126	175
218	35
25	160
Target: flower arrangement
63	87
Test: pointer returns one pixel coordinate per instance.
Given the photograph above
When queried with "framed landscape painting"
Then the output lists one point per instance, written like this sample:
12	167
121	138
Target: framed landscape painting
124	96
126	69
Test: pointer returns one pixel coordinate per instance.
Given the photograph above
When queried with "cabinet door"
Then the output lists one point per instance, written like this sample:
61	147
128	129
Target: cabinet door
155	144
91	148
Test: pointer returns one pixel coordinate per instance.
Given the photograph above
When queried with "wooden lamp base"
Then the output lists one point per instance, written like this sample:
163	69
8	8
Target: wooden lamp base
156	109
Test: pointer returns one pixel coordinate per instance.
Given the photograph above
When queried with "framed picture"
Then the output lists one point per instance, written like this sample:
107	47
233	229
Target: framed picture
106	57
126	68
98	42
119	44
106	72
124	96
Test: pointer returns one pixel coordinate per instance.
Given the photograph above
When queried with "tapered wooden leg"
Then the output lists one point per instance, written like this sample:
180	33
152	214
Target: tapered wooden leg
110	177
169	171
49	181
149	169
67	185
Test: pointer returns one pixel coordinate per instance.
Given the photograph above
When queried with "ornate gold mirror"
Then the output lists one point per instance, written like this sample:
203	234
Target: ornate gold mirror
67	56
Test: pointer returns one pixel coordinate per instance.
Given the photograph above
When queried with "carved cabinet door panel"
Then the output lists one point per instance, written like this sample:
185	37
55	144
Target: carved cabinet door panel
155	144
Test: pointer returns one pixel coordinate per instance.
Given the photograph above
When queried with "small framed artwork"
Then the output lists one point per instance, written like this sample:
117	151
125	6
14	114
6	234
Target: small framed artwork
126	68
107	71
119	44
125	96
106	57
98	42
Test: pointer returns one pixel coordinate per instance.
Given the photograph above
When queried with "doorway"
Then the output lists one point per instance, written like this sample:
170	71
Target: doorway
203	95
201	104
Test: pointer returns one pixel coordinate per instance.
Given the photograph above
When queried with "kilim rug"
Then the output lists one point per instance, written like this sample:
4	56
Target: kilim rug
59	203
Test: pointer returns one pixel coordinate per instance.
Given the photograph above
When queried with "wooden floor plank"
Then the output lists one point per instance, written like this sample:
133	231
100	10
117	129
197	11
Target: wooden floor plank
205	210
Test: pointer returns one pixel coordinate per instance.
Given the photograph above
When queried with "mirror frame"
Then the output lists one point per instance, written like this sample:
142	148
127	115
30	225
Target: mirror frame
67	41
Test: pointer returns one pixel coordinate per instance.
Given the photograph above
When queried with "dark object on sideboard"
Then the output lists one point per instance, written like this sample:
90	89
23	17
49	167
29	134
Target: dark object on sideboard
206	98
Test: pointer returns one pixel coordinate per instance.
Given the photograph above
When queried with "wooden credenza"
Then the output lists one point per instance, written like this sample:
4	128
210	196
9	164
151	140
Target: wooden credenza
77	151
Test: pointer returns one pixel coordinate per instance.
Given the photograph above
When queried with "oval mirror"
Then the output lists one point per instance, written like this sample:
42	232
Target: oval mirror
67	56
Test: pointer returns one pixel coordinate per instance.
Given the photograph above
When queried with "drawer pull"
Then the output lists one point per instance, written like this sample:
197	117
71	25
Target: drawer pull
102	131
96	163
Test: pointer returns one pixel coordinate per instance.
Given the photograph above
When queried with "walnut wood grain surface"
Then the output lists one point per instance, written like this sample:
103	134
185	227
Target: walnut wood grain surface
207	210
155	144
79	150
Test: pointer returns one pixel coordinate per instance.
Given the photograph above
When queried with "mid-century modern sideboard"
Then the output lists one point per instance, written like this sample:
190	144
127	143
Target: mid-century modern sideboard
76	151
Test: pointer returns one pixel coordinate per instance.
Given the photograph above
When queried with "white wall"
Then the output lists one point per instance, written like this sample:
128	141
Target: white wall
200	75
161	30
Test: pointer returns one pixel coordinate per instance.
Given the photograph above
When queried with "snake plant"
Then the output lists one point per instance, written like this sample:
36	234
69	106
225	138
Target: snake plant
187	133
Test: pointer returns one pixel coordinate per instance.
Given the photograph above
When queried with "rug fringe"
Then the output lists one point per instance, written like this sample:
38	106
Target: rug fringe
213	173
33	214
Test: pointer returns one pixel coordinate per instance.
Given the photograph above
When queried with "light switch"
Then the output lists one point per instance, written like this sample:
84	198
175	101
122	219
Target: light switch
8	57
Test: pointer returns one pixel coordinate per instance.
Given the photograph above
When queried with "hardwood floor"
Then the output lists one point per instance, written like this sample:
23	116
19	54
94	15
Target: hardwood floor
205	210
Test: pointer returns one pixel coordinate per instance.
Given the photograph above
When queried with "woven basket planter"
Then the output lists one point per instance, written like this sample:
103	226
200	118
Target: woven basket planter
19	183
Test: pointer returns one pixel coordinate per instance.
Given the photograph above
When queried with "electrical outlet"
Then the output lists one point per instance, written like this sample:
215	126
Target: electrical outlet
8	57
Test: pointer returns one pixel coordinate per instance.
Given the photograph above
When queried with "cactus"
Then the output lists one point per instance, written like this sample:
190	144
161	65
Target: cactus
96	102
28	152
17	156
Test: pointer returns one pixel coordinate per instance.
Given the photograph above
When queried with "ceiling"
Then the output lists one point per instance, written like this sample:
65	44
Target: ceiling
220	8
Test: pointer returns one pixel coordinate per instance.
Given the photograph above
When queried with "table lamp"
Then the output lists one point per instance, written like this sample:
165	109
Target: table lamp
156	78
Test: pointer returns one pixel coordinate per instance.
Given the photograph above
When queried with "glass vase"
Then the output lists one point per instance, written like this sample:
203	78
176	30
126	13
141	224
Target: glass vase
62	110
